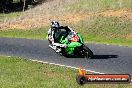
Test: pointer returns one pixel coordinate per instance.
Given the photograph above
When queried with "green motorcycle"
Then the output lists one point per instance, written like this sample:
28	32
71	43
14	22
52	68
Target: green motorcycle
67	42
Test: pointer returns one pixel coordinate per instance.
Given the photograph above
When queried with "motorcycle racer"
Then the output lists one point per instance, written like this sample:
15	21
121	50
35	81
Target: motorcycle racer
54	28
55	32
65	41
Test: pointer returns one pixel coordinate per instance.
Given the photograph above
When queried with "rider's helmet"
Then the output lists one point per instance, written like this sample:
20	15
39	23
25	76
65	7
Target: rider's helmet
55	24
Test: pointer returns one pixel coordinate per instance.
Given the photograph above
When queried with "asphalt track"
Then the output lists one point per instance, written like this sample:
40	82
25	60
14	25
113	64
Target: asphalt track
107	59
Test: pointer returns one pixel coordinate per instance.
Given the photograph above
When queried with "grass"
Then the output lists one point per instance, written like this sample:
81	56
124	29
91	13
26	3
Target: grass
16	1
9	16
98	5
92	32
35	33
110	30
16	72
102	29
96	28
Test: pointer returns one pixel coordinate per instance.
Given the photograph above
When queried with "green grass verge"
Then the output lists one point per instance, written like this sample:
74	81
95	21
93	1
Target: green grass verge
36	33
101	32
98	5
16	72
110	30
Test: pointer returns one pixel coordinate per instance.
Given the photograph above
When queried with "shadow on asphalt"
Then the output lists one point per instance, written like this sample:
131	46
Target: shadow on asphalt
104	56
96	56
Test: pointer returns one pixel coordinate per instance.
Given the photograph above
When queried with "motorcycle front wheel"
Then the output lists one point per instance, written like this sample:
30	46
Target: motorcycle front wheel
87	53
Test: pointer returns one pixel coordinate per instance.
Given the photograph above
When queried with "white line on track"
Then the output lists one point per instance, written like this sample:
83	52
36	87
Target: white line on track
91	71
64	66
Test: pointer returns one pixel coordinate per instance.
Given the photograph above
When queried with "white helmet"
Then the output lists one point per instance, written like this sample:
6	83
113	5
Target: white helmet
55	24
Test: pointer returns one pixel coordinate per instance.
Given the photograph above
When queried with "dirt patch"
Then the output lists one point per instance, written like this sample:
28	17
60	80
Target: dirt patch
125	13
45	20
72	17
129	36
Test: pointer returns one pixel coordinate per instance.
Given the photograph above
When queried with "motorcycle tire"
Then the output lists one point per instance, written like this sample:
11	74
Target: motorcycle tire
87	52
